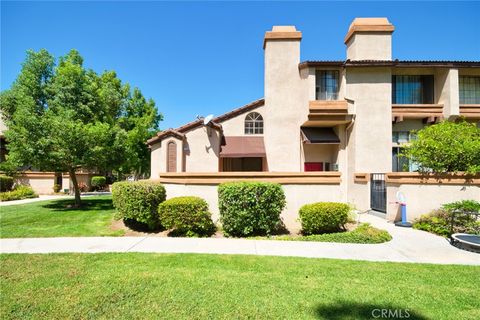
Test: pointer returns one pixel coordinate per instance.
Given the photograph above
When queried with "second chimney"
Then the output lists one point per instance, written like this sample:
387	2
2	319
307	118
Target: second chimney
369	39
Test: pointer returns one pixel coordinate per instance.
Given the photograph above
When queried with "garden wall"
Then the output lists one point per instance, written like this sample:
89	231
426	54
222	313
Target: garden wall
300	189
425	193
42	182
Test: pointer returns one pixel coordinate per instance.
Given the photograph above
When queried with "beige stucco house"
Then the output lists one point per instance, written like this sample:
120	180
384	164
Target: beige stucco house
327	130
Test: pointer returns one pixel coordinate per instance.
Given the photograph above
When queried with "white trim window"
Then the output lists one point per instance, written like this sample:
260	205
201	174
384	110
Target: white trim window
254	123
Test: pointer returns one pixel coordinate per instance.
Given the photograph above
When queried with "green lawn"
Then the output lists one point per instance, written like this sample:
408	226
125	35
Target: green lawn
54	218
187	286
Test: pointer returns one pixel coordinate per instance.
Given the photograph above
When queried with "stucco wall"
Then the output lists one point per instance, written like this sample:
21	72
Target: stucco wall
370	46
296	196
286	100
370	88
158	156
423	198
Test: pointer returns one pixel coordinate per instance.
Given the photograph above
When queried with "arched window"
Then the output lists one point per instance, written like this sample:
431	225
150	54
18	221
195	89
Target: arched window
254	123
172	157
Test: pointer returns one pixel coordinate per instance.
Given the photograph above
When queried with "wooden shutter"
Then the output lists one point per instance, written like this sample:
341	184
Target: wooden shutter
172	157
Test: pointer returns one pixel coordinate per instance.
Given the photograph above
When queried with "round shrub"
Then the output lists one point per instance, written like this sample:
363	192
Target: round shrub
250	208
138	201
323	217
98	183
188	216
6	183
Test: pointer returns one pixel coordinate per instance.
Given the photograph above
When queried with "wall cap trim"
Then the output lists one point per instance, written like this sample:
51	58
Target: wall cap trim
449	178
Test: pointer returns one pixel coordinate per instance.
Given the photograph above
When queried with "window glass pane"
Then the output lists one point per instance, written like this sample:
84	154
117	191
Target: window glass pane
254	123
412	89
469	87
326	84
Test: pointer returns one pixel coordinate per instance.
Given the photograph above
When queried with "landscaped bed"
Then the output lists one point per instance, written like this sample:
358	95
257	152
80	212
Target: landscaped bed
187	286
57	218
363	233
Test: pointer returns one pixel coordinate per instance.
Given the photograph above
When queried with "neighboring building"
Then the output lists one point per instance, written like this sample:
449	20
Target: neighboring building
348	116
42	182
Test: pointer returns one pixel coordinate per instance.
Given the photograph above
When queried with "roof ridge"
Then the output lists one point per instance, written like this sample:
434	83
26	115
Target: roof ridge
180	131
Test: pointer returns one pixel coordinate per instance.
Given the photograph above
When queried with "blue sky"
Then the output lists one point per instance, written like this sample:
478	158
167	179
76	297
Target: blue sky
207	57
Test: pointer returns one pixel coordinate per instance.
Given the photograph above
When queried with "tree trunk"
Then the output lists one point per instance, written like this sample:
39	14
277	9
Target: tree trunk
73	177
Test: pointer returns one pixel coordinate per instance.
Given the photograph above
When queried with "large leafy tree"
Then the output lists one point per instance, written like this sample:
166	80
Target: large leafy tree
63	117
446	147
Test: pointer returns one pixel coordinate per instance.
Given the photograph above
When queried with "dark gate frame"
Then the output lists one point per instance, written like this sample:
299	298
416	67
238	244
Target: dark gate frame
378	192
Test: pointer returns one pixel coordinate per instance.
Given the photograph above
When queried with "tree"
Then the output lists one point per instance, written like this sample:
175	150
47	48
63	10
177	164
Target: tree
64	117
446	147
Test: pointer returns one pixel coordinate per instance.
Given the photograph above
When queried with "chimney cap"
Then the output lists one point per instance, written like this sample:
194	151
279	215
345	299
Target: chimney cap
282	33
369	25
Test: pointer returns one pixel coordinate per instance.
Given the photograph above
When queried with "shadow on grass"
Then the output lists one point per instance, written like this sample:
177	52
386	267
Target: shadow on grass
87	205
355	310
141	227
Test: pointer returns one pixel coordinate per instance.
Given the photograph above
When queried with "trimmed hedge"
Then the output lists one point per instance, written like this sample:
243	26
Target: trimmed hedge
20	192
98	183
188	216
439	221
250	208
6	183
138	201
323	217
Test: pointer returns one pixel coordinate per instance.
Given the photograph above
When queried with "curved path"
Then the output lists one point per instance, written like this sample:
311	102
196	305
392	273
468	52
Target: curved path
408	245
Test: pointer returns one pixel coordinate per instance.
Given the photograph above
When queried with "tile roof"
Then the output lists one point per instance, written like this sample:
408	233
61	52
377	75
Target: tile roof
389	63
180	131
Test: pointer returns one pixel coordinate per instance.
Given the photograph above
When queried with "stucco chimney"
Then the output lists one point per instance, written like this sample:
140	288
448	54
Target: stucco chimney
369	39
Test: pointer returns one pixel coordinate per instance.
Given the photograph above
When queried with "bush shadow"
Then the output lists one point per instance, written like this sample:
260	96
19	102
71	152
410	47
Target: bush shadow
341	310
86	205
134	225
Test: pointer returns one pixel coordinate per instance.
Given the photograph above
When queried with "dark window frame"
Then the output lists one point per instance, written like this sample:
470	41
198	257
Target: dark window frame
469	95
327	84
413	89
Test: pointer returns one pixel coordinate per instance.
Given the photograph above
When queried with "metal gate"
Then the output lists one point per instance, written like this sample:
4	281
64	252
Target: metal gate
378	192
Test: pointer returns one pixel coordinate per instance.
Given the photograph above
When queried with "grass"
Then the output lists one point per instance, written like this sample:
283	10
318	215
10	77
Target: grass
364	233
55	218
187	286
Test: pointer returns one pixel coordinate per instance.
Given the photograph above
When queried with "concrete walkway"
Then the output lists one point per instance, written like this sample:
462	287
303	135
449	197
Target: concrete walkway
44	197
40	198
408	245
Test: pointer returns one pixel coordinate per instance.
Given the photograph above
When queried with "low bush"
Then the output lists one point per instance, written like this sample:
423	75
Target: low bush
20	192
138	201
57	188
364	233
6	183
98	183
250	208
82	186
324	217
439	221
187	216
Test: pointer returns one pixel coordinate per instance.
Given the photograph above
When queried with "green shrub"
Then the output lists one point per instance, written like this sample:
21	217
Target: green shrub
6	183
56	188
138	201
250	208
324	217
20	192
98	183
439	221
364	233
187	216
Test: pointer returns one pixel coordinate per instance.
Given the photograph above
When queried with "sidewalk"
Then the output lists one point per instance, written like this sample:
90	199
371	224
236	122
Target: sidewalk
408	245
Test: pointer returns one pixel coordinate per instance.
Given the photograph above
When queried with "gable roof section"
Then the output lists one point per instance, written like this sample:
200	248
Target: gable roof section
180	131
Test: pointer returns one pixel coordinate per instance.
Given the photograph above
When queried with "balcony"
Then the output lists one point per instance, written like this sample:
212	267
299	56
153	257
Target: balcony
470	111
328	113
430	113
